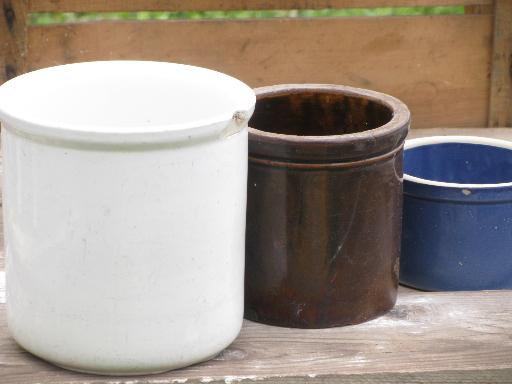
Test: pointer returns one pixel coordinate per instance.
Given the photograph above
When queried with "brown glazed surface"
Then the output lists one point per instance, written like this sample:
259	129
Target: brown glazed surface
324	205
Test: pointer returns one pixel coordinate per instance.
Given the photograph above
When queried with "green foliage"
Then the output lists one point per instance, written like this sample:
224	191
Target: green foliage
52	18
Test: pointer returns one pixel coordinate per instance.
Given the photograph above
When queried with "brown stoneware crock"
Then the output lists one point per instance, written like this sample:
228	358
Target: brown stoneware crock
324	205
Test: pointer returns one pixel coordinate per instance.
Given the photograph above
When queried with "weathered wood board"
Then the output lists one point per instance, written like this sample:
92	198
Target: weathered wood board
428	337
451	70
500	100
438	65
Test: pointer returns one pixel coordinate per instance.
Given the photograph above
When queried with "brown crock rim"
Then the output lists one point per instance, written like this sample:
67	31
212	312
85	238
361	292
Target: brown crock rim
331	148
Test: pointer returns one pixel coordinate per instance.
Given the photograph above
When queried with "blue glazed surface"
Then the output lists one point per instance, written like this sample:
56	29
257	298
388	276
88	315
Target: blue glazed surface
460	163
457	237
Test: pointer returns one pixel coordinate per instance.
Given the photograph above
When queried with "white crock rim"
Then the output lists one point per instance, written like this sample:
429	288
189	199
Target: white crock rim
157	133
422	141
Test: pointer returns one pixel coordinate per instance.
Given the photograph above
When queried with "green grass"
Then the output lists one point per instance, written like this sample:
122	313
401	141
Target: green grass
68	17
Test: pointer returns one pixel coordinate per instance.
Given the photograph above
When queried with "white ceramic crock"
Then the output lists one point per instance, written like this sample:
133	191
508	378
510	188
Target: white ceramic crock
124	194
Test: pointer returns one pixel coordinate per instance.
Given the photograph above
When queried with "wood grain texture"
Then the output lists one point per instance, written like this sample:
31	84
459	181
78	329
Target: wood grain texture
5	42
13	42
438	65
495	133
438	337
478	9
500	101
204	5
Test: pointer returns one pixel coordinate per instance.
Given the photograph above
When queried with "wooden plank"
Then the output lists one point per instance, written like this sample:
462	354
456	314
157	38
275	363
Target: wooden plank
5	41
478	9
463	337
205	5
495	133
438	65
500	101
13	43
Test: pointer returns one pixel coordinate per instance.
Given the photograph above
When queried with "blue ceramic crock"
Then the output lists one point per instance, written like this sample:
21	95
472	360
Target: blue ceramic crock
457	224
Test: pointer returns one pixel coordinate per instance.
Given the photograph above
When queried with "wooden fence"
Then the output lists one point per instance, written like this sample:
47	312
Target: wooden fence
452	70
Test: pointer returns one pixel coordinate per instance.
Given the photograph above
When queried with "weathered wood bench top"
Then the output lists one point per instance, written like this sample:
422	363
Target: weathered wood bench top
428	337
457	337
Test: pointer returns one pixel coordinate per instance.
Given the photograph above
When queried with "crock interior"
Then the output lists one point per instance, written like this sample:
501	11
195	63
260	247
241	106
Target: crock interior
318	113
124	96
461	163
